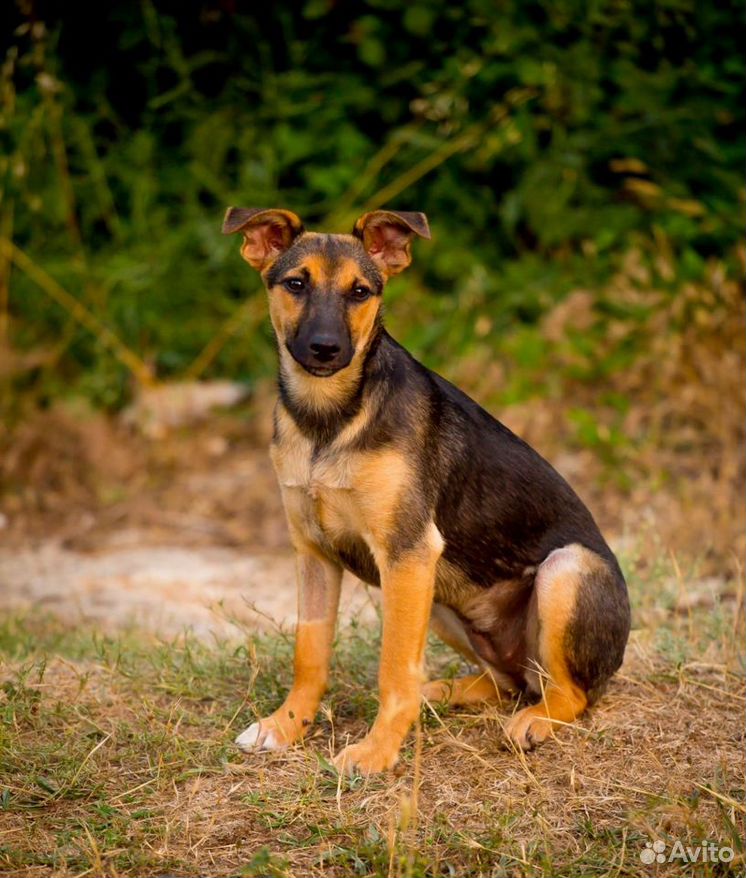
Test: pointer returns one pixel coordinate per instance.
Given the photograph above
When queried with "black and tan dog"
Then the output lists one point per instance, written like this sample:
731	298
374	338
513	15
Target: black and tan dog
388	470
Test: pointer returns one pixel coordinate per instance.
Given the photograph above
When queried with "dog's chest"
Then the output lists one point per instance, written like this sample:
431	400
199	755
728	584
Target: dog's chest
318	488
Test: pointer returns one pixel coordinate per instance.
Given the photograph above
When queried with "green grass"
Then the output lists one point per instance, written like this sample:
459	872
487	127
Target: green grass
116	758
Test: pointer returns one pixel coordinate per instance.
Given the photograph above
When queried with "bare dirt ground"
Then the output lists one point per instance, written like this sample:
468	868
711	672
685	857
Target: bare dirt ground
163	534
163	589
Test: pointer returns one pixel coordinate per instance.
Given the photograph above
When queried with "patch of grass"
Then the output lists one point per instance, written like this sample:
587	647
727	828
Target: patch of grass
116	758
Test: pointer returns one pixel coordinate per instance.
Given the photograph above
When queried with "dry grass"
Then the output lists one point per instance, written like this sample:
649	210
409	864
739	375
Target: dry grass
117	760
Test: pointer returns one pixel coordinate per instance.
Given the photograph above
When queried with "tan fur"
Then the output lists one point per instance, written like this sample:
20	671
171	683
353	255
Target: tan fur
318	598
293	719
407	587
290	452
319	393
471	689
379	481
342	491
346	273
284	312
557	582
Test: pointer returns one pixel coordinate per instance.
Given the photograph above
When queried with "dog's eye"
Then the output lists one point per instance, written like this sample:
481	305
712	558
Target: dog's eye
294	285
359	293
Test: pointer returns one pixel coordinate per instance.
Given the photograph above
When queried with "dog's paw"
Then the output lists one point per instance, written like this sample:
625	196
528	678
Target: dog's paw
369	756
528	728
260	736
438	691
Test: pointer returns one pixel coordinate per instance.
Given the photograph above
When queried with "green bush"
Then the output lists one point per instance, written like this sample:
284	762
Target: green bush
543	139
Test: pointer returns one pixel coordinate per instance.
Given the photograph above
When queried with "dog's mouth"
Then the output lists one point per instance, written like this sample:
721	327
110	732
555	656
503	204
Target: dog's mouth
321	371
318	370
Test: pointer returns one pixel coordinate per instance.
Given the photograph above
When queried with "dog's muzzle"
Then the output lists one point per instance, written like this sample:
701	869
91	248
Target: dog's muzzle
322	356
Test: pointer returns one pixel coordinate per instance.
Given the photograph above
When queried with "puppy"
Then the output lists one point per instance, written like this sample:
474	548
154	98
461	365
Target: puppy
391	472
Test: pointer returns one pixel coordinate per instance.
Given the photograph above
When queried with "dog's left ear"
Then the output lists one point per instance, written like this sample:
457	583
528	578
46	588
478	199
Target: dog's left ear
387	237
267	233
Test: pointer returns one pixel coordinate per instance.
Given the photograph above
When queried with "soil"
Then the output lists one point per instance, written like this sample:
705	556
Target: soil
182	530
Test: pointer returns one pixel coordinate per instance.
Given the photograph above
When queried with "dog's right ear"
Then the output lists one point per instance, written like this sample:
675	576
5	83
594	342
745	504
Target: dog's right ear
266	232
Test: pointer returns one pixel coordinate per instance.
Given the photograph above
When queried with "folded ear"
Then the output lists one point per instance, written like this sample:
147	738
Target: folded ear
387	236
266	233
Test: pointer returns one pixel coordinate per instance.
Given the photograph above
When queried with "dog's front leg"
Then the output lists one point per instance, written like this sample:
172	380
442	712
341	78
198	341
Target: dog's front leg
318	598
407	585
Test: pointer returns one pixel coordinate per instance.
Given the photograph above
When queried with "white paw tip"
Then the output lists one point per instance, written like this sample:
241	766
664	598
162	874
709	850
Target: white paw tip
271	743
254	738
249	738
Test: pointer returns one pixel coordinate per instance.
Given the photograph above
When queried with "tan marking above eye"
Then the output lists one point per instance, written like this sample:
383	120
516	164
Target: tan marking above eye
341	277
347	276
310	270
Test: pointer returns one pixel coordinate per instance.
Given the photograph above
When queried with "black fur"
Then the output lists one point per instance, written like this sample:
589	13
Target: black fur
500	507
598	631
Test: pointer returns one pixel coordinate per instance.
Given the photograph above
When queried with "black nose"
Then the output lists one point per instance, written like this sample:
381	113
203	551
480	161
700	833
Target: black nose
324	348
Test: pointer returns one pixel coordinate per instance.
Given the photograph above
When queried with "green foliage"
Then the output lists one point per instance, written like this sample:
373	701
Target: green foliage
541	138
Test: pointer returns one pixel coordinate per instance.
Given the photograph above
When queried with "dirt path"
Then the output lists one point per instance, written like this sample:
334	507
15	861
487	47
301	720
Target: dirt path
166	588
101	524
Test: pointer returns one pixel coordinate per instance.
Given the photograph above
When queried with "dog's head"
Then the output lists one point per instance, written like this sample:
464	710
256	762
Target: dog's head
325	290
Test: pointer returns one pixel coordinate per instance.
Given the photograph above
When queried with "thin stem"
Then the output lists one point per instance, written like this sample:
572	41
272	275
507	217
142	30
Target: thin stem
78	311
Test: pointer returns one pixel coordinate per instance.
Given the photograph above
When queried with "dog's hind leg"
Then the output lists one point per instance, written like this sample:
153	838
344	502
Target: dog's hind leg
583	624
471	689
